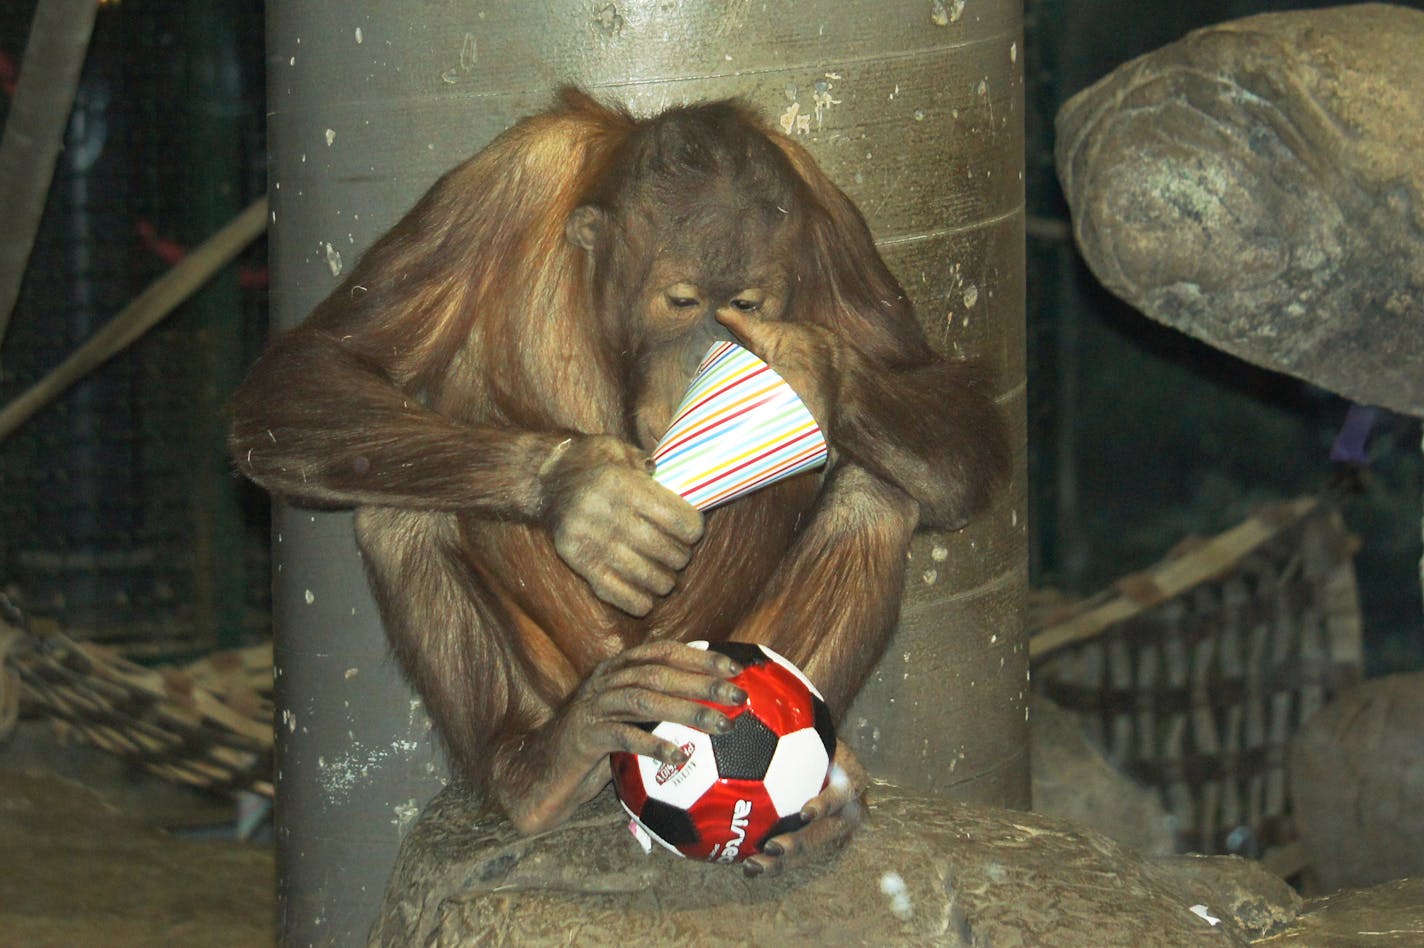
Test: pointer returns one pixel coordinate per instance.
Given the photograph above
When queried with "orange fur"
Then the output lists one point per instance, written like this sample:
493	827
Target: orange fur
472	339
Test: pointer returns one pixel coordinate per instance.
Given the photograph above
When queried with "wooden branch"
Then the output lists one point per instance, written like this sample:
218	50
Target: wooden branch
160	298
163	719
1169	578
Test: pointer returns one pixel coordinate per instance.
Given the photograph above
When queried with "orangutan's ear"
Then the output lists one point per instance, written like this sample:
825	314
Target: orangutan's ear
584	225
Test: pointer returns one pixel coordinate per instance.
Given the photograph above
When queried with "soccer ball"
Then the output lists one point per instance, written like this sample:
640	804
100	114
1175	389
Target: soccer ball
735	790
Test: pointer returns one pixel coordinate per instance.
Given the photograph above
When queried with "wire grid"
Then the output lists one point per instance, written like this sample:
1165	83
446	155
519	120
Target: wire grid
99	495
1198	694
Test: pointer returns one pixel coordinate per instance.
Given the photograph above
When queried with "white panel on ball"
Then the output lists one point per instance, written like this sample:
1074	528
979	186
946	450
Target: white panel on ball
784	663
797	770
680	786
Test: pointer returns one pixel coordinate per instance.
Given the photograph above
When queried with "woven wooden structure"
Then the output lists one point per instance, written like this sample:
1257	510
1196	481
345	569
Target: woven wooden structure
1194	674
208	724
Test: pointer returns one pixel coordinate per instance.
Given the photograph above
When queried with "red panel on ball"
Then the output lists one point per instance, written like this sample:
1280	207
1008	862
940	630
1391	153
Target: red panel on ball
778	697
721	805
732	820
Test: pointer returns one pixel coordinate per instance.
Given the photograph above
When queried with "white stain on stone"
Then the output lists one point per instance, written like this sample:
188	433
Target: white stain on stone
469	57
798	119
405	815
893	887
343	775
943	13
794	122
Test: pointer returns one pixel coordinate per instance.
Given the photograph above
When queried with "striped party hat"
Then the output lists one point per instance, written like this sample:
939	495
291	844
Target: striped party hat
738	428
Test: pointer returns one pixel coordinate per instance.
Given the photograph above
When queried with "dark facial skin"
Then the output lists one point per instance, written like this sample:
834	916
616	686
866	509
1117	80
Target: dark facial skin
678	299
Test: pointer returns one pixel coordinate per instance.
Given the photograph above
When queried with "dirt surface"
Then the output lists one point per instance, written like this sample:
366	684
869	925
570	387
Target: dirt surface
75	870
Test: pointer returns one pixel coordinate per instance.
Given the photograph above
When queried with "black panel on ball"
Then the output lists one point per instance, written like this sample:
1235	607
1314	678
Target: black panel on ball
744	752
669	823
825	727
787	824
744	653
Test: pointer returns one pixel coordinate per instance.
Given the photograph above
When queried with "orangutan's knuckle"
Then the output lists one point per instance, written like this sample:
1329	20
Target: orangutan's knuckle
569	551
640	703
642	650
609	587
566	534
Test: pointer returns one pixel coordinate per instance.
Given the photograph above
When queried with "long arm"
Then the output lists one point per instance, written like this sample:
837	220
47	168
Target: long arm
918	442
892	405
379	396
932	431
927	426
843	577
320	422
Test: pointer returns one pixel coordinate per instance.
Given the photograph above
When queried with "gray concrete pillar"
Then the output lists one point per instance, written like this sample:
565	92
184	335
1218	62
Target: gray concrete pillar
914	107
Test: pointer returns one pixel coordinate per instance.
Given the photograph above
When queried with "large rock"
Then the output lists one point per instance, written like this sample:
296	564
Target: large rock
1258	902
1074	780
1357	778
1258	185
1385	916
920	871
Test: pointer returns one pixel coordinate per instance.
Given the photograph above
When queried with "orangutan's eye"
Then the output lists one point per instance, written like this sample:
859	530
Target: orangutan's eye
683	294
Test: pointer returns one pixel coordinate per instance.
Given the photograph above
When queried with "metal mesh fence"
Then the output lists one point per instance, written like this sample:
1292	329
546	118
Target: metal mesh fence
121	518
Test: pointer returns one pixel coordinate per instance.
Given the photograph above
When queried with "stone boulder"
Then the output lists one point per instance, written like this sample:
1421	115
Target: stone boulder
1385	916
1259	903
1357	779
1258	185
920	871
1074	780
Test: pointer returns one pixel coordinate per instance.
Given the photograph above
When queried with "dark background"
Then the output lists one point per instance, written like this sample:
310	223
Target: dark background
123	519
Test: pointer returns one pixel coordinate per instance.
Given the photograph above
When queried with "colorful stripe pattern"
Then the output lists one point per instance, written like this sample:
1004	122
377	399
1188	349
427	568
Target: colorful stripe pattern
739	427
